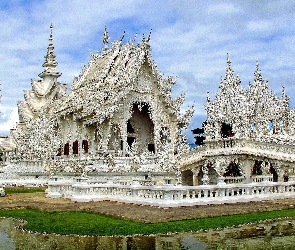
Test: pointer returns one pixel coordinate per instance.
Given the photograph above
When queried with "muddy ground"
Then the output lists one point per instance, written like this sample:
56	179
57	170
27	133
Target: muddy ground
138	212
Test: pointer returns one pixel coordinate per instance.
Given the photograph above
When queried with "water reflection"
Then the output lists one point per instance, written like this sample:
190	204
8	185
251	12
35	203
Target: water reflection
6	243
269	235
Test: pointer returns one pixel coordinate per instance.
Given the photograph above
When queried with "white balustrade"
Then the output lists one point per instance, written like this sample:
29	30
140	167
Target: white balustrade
169	195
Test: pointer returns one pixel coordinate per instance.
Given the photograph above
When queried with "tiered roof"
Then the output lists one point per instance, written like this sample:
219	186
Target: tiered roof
255	111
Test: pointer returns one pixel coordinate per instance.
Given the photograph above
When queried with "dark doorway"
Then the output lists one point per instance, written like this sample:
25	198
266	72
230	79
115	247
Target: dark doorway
85	146
233	170
187	178
67	149
59	151
75	147
130	141
226	130
257	170
129	127
151	148
275	176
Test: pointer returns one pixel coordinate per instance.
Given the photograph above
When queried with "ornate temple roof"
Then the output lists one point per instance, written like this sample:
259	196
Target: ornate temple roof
43	91
50	63
111	75
255	111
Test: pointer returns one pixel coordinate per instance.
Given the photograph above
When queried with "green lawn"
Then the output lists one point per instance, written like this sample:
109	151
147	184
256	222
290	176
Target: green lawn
84	223
14	190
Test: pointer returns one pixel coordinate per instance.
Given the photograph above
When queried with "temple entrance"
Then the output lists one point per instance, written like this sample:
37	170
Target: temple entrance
140	129
187	178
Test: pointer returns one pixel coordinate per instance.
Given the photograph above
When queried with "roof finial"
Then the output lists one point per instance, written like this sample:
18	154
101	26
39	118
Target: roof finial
227	58
208	97
50	64
134	38
229	76
257	75
105	37
122	37
149	37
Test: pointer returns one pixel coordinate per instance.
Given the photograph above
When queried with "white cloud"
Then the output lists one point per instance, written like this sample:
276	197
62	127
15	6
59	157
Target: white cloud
10	121
190	39
260	26
223	8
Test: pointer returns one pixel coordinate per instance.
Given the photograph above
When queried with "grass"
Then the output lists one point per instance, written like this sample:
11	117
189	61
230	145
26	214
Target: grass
85	223
14	190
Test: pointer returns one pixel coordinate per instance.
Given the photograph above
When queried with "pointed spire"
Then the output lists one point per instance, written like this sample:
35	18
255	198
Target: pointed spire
50	64
105	37
285	98
229	74
227	59
257	75
122	37
283	91
134	38
208	97
149	37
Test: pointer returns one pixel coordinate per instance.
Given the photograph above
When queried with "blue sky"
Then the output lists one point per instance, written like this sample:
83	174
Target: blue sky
190	40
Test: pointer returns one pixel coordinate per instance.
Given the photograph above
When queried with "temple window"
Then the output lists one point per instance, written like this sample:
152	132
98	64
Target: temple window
226	130
75	147
271	127
59	151
67	149
85	146
151	148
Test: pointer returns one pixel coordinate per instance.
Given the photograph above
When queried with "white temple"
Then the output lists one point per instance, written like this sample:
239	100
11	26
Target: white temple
117	136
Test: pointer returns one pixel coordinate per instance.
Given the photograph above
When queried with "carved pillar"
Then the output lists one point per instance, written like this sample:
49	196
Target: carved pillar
205	178
73	134
124	136
156	136
195	177
218	130
247	168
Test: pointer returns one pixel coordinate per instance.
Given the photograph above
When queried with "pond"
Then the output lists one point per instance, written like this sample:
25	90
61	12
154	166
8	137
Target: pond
271	234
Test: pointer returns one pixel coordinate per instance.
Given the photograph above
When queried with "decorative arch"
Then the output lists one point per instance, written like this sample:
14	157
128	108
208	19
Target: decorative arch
141	128
187	177
207	174
233	170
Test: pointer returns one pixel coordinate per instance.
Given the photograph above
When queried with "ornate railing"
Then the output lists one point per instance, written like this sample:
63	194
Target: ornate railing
250	143
273	149
169	195
231	180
